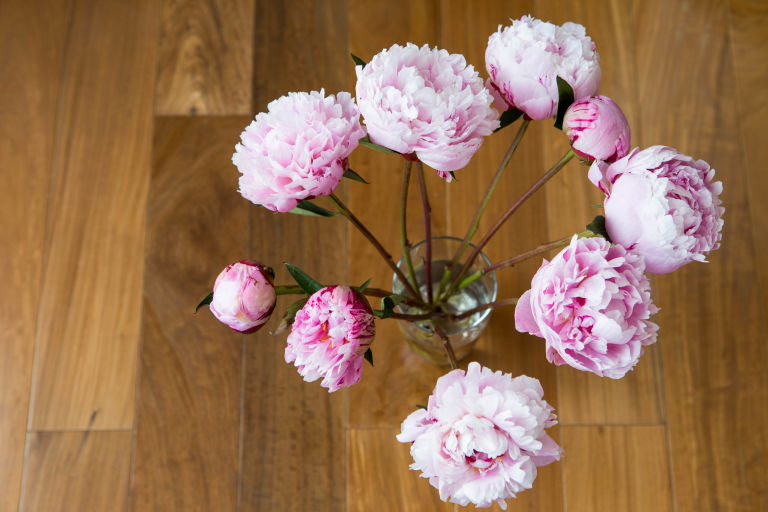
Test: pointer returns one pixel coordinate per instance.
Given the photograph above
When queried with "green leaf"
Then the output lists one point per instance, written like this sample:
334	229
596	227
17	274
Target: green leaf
352	175
207	300
307	284
366	141
453	175
509	117
421	406
363	286
388	305
368	356
565	93
358	61
304	207
597	226
288	317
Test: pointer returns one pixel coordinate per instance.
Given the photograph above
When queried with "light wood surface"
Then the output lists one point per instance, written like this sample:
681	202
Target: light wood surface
119	207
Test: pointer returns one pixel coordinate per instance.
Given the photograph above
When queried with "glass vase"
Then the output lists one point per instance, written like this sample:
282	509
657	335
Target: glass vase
462	333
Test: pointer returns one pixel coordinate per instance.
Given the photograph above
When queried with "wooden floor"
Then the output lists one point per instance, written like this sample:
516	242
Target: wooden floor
118	207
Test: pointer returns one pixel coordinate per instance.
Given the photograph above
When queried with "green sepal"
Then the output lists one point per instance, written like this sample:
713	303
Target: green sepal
305	207
368	356
352	175
366	141
307	284
419	406
363	286
207	300
565	98
453	175
388	306
508	117
597	226
357	60
289	316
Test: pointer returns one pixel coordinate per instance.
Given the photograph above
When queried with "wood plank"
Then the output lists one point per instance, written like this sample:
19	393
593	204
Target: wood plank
379	478
67	471
31	55
294	455
616	468
501	347
85	364
716	392
584	397
749	50
205	58
186	453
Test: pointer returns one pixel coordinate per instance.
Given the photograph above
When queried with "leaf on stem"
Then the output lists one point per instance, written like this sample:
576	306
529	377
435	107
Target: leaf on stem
509	117
565	92
304	207
207	300
597	226
357	60
366	141
363	286
307	284
368	356
289	316
388	305
352	175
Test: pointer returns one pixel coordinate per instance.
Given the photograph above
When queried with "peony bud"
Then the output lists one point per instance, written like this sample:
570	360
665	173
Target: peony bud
662	205
244	296
597	129
592	305
330	336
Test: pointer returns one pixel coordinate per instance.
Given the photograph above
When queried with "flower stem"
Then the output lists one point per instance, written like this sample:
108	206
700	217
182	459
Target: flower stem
447	346
376	244
405	245
528	193
484	204
370	292
497	304
427	229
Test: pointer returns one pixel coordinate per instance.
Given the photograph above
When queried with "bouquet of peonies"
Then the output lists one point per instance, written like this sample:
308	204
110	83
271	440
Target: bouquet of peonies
483	433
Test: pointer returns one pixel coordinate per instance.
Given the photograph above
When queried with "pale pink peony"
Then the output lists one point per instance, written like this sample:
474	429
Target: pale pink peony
244	296
525	59
481	436
592	305
297	149
425	101
330	336
597	129
663	205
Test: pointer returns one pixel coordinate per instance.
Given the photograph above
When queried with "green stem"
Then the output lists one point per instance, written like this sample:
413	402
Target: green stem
447	346
370	292
427	229
376	244
484	204
405	246
528	193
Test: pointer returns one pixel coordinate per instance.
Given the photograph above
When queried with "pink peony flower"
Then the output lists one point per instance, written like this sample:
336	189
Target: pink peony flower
525	59
597	128
330	336
663	205
425	101
482	436
244	296
297	149
591	304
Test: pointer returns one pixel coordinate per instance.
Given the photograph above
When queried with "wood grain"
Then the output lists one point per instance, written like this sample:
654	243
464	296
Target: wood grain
379	478
186	453
85	364
205	57
585	398
31	56
749	48
67	471
293	442
616	468
712	324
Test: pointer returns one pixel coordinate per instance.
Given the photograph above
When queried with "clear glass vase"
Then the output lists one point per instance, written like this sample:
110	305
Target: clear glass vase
462	333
